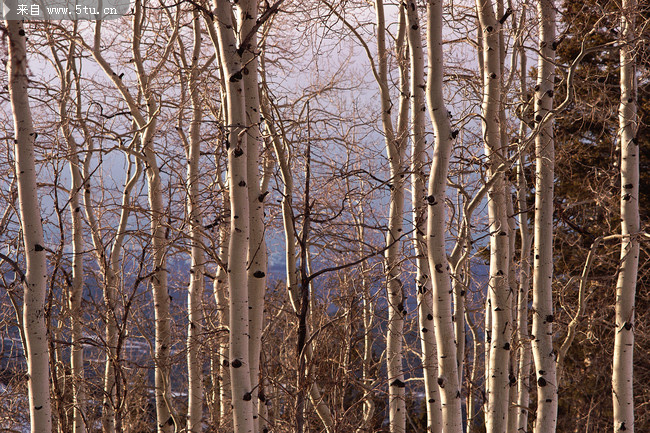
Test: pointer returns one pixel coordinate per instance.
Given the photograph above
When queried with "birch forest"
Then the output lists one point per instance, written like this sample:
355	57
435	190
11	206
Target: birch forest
337	216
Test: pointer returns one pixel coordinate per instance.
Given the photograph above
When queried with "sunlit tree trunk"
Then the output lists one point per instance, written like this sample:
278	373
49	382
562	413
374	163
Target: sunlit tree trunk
164	410
220	288
76	290
240	365
36	352
623	370
542	331
367	320
437	224
499	292
395	148
520	411
197	278
257	256
147	125
418	200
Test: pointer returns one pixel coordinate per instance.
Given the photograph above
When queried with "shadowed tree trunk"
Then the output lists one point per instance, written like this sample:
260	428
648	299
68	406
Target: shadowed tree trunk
542	332
623	371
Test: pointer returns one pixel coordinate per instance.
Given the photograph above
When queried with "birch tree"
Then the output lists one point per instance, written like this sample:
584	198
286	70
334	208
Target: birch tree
395	147
68	75
499	292
419	202
146	124
194	215
257	257
448	379
240	366
543	315
525	361
35	277
622	376
281	146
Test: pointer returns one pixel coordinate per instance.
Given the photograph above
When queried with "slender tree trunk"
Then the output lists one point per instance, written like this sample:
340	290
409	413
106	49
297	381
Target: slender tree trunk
220	288
76	293
473	421
315	396
147	127
525	355
240	364
110	269
197	278
542	332
436	227
499	292
76	290
367	320
36	352
623	371
257	256
418	200
395	146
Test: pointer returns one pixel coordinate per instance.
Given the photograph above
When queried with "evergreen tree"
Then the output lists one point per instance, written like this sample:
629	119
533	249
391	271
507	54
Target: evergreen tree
586	207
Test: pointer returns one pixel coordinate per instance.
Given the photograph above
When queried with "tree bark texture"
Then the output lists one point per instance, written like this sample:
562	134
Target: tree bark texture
542	307
240	365
419	208
499	291
257	256
36	352
623	370
197	278
395	147
436	227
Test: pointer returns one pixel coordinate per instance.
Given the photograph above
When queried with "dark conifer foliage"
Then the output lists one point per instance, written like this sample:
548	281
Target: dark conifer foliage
586	207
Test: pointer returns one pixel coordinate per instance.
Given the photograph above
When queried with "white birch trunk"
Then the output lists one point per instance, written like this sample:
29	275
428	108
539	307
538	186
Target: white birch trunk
418	200
542	331
239	221
197	278
220	288
499	292
76	290
147	126
36	352
623	370
436	227
525	355
395	147
257	255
